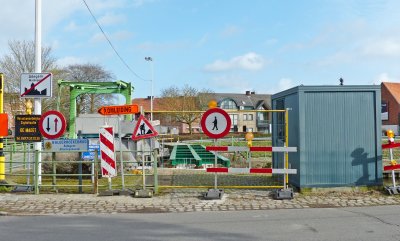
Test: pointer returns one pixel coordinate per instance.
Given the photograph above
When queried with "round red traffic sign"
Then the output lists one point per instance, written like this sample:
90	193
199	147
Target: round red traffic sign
215	123
52	124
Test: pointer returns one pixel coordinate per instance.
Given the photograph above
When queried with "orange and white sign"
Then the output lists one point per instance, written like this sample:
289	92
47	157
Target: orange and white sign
119	110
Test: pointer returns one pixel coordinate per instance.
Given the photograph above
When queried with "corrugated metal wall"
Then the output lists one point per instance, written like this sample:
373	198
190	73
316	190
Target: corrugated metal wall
336	132
339	128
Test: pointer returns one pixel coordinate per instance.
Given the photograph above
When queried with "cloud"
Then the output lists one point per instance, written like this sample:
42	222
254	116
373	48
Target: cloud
384	77
284	84
250	61
203	40
112	19
387	47
230	31
63	62
230	83
120	35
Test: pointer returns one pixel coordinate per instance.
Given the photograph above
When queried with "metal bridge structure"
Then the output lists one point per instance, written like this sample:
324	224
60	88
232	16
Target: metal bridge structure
77	88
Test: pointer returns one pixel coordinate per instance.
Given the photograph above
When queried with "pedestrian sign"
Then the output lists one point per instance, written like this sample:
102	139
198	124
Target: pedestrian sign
143	129
215	123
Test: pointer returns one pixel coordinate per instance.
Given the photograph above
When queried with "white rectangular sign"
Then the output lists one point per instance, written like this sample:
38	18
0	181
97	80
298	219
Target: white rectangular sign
36	85
78	145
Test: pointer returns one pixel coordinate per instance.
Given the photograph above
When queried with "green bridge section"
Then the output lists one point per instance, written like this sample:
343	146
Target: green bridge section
195	154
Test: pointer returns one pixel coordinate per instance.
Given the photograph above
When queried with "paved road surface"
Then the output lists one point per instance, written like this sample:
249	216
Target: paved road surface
361	223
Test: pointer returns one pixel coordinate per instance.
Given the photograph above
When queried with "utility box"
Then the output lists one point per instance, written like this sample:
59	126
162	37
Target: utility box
337	130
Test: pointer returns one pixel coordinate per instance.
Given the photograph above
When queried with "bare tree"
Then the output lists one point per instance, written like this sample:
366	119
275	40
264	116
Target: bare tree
21	59
184	99
89	103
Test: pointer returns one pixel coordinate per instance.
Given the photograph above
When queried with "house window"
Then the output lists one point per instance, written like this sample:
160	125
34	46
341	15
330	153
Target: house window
234	122
248	117
229	104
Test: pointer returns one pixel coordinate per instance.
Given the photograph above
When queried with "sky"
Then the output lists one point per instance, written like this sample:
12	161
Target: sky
227	46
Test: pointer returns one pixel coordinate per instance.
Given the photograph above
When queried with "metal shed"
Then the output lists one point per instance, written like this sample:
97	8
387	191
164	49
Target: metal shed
337	130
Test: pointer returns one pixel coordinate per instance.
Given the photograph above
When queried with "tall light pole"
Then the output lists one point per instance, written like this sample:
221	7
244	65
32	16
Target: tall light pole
150	59
38	69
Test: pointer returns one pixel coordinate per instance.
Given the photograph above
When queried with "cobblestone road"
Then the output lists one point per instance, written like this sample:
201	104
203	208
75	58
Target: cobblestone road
180	201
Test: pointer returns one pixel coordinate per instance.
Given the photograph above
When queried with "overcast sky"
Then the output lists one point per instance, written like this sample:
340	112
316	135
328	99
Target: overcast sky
227	46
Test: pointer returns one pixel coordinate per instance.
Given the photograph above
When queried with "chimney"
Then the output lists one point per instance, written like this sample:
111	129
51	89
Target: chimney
247	92
253	92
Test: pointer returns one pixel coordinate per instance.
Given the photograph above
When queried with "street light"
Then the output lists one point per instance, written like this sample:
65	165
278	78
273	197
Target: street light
152	78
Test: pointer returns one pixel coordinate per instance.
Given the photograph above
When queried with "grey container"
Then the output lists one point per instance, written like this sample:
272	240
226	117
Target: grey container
337	130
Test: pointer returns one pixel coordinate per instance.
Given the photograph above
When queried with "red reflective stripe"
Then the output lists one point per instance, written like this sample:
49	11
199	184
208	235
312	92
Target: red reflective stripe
261	148
260	170
109	130
216	148
392	145
217	169
107	143
104	172
108	159
391	167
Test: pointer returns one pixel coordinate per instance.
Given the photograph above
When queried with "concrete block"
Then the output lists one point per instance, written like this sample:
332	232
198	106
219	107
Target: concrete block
213	194
281	194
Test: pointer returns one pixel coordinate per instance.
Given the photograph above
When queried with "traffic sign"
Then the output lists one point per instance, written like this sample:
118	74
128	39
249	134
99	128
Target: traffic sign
52	124
37	85
62	145
143	129
215	123
27	128
90	153
119	110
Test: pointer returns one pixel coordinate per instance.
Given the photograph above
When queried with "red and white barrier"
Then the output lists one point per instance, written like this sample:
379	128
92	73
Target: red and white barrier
108	163
252	170
253	148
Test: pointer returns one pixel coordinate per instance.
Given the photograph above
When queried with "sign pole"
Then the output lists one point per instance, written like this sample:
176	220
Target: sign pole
215	165
38	69
143	170
120	153
2	157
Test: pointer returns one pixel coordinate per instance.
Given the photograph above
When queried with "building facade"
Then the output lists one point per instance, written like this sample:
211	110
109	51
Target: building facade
390	110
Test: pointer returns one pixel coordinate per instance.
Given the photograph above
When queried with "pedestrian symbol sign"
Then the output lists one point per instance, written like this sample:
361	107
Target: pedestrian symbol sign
143	129
215	123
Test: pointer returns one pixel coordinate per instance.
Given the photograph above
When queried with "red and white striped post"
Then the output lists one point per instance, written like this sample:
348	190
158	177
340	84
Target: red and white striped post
108	163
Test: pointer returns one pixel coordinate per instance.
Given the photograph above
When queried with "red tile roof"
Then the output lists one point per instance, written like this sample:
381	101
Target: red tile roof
394	89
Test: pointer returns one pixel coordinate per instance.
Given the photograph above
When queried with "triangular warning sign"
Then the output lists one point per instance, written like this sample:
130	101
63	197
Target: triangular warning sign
143	129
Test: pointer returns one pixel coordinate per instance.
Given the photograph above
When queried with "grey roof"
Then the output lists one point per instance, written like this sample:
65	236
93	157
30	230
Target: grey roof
251	100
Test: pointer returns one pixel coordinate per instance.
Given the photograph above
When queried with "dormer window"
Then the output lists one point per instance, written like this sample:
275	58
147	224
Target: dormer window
229	104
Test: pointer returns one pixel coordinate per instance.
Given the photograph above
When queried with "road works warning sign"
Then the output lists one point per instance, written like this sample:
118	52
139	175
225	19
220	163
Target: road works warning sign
143	129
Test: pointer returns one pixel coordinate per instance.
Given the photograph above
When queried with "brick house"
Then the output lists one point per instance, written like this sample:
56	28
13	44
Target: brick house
390	95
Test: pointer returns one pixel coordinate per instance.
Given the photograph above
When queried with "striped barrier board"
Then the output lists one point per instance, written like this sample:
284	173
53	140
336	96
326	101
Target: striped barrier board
252	170
253	148
108	163
391	167
390	145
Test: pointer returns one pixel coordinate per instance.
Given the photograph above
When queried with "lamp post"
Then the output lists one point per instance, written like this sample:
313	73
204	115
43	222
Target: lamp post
152	78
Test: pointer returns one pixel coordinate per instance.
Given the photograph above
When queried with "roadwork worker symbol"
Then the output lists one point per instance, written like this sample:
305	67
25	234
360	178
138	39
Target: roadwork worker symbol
215	122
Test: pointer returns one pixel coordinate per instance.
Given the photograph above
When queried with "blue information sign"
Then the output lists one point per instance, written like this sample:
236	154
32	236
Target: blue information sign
90	154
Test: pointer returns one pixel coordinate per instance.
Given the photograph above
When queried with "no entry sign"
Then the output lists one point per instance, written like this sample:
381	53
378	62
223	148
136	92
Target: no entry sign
215	123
